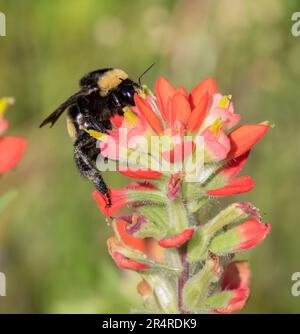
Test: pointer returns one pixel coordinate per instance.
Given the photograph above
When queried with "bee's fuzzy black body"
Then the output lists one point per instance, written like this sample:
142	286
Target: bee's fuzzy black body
103	93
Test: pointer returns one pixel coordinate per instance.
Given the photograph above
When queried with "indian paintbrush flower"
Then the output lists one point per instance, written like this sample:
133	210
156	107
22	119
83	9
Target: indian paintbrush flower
11	150
183	150
11	147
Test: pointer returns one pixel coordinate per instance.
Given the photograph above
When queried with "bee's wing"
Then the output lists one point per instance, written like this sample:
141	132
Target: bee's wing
52	118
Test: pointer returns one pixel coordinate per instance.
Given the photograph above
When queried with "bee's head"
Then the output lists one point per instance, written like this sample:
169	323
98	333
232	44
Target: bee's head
111	80
116	81
126	90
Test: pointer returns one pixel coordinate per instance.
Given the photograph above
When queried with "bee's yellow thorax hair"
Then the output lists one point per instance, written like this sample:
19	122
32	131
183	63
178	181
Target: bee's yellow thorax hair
71	129
111	80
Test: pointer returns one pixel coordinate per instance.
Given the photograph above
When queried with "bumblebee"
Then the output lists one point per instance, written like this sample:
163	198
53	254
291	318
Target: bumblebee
103	93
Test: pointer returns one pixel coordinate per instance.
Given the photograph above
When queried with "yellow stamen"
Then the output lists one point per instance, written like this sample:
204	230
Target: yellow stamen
143	91
130	117
4	103
216	127
97	135
224	102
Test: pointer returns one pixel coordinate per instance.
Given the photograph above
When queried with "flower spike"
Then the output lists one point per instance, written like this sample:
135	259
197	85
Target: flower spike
183	154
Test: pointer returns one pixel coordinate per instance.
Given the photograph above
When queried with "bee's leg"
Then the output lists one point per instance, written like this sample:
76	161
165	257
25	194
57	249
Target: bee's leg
82	149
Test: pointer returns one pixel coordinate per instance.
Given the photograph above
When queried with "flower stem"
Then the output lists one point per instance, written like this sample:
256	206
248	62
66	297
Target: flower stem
183	277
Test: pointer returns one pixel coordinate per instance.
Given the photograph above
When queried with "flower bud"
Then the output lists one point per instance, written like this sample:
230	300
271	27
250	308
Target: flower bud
243	236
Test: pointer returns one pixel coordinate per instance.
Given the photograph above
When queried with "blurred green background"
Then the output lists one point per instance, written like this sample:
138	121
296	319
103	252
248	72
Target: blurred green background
53	238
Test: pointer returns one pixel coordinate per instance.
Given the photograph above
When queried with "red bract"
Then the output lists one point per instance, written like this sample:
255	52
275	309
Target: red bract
236	276
163	91
244	137
236	281
119	200
137	243
176	240
136	173
147	112
11	152
237	186
11	148
176	114
116	249
119	197
205	87
125	226
198	114
176	106
251	233
126	263
234	166
236	302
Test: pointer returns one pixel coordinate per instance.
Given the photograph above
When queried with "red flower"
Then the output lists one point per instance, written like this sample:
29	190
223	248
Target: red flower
164	92
243	236
11	148
236	281
147	112
237	186
123	262
126	226
234	166
244	137
198	114
177	106
177	240
205	87
11	152
119	197
137	243
116	249
175	114
251	233
136	173
164	143
237	275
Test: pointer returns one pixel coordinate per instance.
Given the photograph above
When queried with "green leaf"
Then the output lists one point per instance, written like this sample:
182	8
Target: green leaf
136	255
156	223
231	215
154	196
198	246
177	216
219	300
197	287
226	242
164	291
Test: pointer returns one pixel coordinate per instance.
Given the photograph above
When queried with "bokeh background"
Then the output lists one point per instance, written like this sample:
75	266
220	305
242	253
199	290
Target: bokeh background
52	237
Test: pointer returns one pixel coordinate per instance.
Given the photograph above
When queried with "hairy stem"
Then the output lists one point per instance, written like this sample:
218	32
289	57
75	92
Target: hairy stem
183	277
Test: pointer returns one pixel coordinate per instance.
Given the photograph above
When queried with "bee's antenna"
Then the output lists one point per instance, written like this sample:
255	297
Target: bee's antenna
148	69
